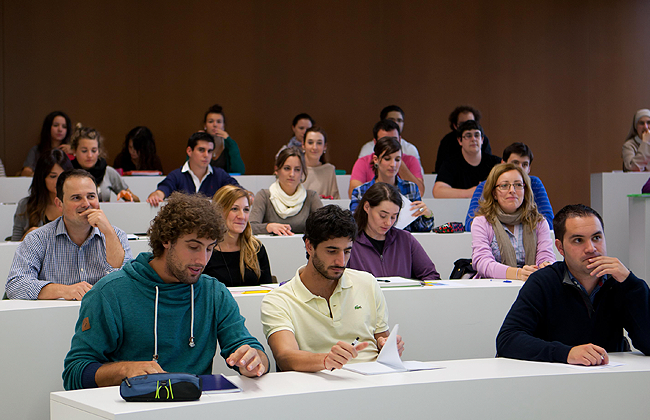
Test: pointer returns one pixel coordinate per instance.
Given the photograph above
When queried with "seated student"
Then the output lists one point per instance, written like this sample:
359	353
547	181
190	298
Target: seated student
284	207
636	149
382	250
196	175
459	178
510	239
311	321
520	155
575	311
299	126
55	134
64	258
40	208
160	307
362	171
322	175
138	152
449	149
240	259
226	152
386	165
88	148
396	115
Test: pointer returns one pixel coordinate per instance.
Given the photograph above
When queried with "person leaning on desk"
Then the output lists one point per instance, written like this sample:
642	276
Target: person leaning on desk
315	320
575	310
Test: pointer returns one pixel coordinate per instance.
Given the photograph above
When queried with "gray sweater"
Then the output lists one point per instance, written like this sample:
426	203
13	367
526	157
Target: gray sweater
263	213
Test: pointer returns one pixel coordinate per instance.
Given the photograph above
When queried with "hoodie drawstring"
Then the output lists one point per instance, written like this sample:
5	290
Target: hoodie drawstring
155	324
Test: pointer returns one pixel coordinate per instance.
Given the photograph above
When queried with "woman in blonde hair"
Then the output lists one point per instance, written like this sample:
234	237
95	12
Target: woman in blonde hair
510	238
87	146
241	259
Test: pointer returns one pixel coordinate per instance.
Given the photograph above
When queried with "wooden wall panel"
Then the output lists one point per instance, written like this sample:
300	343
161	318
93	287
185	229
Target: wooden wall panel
564	77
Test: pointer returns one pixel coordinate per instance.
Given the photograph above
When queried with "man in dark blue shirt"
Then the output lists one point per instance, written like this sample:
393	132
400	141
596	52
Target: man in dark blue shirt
575	310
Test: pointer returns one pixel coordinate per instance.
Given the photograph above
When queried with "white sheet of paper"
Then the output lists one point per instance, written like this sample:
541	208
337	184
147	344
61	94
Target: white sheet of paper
389	355
609	365
405	217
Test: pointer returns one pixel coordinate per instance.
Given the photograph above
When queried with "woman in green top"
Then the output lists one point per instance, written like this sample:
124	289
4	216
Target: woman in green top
226	152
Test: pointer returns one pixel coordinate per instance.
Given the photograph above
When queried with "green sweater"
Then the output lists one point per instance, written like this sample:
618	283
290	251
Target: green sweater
120	313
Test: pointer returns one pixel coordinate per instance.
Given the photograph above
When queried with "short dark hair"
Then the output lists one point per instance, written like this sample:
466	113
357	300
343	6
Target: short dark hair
214	109
469	125
302	116
453	117
569	212
199	135
329	222
73	173
385	146
390	108
517	148
185	214
386	125
377	193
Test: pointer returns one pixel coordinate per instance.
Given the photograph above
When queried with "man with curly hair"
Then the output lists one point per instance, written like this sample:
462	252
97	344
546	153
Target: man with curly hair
160	313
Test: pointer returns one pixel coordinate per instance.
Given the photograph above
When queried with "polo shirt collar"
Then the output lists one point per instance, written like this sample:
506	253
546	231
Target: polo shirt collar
305	295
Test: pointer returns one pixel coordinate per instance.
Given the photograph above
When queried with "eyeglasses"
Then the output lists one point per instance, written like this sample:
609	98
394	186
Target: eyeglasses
506	186
469	136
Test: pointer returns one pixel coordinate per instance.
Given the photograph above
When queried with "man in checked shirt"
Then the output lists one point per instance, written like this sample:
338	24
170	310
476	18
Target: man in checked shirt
65	257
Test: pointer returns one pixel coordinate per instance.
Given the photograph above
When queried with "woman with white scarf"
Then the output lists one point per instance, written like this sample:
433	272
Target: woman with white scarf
510	238
636	149
283	208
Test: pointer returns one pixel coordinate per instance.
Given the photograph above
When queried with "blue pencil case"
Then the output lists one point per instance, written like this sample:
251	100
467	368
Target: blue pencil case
161	387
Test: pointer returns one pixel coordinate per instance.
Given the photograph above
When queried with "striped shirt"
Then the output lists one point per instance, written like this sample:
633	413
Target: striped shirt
48	255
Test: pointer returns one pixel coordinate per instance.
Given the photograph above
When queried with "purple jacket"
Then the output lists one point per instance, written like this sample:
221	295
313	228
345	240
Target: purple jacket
403	257
646	187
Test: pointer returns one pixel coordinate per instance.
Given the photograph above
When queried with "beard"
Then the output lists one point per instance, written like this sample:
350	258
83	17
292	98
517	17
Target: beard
181	272
323	271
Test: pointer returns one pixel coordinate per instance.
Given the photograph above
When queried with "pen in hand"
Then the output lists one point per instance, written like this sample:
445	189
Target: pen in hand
354	343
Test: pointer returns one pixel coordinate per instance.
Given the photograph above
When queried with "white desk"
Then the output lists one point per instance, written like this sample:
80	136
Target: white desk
465	389
639	242
609	193
437	323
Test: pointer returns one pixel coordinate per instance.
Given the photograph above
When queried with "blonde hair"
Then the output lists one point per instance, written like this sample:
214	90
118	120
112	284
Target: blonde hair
81	132
249	245
487	205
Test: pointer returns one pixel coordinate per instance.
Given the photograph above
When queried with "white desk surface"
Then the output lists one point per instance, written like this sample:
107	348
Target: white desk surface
437	322
463	389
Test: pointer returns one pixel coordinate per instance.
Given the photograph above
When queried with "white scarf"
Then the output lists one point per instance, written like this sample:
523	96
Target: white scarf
286	205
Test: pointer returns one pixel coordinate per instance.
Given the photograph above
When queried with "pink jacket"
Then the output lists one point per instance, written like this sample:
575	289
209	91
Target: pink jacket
483	260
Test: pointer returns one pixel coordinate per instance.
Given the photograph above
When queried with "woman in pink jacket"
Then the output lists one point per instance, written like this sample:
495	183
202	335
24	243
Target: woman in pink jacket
510	238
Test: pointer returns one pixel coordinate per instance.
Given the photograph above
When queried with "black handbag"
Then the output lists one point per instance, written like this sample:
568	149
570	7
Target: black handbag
463	269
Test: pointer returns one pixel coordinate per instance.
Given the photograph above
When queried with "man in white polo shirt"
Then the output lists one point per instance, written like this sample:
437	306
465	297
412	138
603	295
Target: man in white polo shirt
312	321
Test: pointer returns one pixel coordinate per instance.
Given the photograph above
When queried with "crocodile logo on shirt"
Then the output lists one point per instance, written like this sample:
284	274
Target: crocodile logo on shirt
357	306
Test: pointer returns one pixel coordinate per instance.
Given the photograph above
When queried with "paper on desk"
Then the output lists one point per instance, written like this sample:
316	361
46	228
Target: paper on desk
405	217
388	360
397	281
595	367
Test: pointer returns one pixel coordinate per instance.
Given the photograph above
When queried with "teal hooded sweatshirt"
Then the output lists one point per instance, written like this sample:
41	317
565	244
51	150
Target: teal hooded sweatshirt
116	323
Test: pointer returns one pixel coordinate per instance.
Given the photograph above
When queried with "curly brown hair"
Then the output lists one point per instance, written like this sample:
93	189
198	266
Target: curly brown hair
185	214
